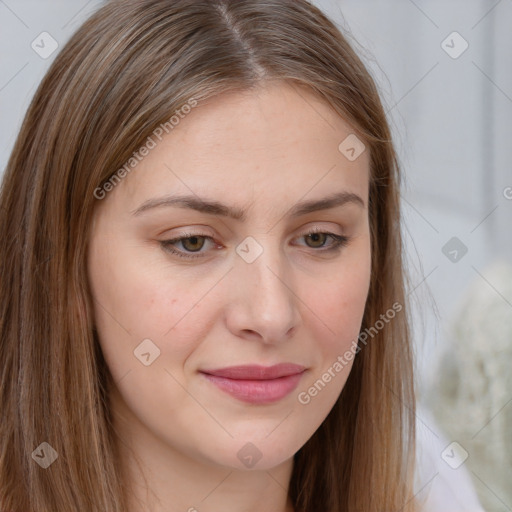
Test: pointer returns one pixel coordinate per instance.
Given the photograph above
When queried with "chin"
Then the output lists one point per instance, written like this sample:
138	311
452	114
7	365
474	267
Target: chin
257	450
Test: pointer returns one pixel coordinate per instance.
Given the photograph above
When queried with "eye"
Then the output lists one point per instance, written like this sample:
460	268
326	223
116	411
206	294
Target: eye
192	244
318	239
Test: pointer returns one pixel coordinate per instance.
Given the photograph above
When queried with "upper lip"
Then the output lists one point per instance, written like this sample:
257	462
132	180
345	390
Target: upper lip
256	372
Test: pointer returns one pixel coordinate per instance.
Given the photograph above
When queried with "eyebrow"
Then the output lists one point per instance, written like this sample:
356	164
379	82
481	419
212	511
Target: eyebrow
216	208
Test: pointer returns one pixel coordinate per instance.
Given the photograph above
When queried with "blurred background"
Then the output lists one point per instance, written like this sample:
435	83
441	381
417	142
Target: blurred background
445	73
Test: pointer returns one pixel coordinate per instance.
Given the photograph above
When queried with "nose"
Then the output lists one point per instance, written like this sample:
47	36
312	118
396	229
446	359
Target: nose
263	303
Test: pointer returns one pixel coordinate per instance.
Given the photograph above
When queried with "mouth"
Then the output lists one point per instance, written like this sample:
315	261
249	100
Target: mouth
257	384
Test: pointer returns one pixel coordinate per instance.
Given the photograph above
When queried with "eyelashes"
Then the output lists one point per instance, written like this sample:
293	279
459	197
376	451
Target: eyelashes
196	242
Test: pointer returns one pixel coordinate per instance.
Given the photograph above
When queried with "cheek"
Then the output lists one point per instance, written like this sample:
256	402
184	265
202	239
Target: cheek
337	308
339	302
135	301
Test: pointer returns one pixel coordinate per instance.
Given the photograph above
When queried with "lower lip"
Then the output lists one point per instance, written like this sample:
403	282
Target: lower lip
257	391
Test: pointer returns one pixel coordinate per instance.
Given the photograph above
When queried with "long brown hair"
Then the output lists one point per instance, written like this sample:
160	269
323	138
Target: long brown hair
123	73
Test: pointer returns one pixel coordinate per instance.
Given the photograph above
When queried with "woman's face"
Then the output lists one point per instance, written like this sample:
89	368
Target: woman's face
225	344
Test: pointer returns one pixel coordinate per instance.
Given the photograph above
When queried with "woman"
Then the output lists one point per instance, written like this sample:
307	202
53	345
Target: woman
203	303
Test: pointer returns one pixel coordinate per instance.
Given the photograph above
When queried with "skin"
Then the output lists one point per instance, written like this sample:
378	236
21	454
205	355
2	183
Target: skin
262	151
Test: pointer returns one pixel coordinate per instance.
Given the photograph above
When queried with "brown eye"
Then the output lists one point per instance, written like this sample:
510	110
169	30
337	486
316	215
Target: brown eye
324	241
188	246
317	239
193	243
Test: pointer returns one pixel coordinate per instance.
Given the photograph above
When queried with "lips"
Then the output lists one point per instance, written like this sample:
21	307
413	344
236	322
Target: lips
256	384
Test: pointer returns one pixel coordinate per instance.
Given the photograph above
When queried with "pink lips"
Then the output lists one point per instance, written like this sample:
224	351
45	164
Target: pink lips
257	384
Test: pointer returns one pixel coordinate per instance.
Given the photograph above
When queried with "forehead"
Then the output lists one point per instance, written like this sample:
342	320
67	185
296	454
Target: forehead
273	144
